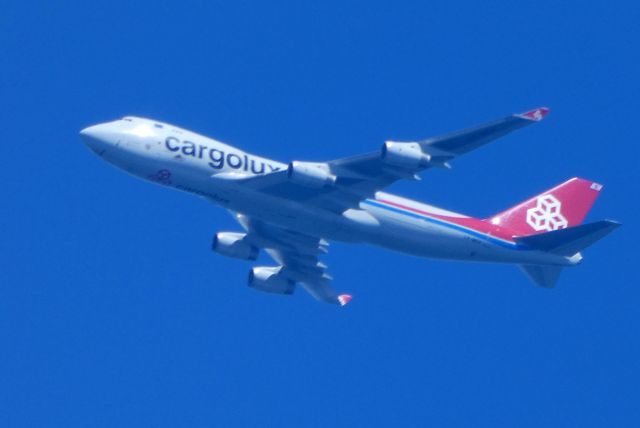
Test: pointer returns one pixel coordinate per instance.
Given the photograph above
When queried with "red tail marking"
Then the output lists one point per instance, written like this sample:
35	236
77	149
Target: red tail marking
563	206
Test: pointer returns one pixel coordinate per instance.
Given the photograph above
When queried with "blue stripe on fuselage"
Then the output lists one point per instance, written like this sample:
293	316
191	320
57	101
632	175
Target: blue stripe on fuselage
475	233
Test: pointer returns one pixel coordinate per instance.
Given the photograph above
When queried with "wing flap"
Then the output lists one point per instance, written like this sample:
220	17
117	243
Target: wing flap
360	177
297	254
466	140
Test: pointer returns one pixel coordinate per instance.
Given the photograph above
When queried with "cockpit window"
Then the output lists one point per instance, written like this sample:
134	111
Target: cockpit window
157	125
127	118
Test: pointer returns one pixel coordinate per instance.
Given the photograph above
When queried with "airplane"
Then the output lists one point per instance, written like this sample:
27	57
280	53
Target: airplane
292	211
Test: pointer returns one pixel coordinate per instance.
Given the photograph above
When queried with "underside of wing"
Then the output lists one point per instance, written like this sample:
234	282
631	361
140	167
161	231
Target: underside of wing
337	186
297	258
371	172
342	184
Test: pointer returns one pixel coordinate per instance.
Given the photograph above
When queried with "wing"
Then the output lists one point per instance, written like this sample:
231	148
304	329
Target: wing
343	183
376	174
297	254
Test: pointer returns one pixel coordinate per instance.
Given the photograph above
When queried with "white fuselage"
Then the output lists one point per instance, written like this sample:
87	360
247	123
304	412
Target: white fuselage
190	162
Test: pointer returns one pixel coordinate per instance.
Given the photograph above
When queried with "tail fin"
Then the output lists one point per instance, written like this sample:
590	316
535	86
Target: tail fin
563	206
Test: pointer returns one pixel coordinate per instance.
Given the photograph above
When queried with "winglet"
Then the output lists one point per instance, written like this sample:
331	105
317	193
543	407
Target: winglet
343	299
535	115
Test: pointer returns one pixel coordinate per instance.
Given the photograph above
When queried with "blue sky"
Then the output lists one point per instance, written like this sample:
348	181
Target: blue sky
113	311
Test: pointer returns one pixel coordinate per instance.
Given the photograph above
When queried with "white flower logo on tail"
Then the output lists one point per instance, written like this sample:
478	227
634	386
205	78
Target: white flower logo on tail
546	214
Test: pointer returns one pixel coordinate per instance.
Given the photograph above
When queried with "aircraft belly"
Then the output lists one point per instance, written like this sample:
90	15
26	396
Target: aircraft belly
291	215
290	210
372	225
418	237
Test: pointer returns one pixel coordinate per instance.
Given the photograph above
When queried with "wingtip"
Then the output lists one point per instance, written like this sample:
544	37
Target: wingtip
343	299
535	115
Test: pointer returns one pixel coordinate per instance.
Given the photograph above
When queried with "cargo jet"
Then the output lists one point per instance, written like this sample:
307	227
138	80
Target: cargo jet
292	210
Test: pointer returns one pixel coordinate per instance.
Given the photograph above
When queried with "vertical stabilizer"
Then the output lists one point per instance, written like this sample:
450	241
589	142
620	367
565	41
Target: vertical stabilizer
563	206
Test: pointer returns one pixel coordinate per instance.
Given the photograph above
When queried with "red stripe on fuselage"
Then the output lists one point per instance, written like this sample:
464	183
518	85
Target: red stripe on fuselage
474	224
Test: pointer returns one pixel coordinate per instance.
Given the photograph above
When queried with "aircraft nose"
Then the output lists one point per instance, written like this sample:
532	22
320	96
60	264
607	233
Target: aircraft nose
98	137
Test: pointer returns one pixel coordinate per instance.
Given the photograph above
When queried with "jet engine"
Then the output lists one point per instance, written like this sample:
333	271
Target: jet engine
405	155
234	244
412	156
270	280
310	174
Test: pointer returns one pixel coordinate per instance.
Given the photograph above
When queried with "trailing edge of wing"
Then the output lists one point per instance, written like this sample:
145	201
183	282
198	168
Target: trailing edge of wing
297	254
361	176
464	141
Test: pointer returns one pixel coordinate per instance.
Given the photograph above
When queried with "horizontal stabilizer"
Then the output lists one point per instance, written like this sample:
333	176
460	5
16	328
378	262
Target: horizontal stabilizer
571	240
543	276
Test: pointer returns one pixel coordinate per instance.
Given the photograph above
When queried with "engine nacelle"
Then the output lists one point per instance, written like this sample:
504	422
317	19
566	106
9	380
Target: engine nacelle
234	244
310	174
405	155
270	280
